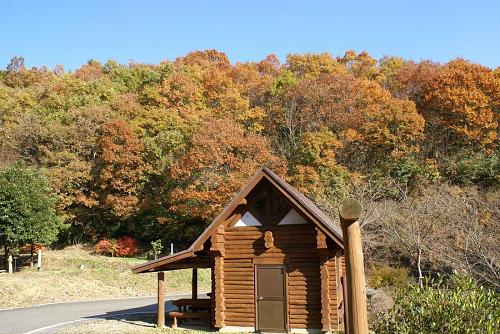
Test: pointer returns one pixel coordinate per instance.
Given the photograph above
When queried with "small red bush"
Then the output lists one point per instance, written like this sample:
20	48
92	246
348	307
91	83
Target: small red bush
105	247
26	249
39	247
126	246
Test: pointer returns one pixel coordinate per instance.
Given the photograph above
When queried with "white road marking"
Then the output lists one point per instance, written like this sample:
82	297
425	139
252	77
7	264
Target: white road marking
81	320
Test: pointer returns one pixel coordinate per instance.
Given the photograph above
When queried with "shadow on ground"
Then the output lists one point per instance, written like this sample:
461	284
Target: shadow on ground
145	316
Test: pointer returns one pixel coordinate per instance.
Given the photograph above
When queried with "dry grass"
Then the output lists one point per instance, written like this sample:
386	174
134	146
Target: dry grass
74	273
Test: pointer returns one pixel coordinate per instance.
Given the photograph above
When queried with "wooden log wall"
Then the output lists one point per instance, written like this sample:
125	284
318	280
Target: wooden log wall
294	245
336	269
219	295
334	288
239	292
304	288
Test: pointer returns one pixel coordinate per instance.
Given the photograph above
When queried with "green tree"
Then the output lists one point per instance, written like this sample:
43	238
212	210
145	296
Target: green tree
27	208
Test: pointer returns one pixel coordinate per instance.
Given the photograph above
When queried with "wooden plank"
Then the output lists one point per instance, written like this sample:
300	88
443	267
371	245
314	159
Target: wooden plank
241	323
315	325
240	269
237	274
237	288
230	315
235	309
302	311
241	300
238	261
309	317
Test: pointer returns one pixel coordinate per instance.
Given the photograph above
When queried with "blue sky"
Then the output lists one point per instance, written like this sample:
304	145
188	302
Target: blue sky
71	32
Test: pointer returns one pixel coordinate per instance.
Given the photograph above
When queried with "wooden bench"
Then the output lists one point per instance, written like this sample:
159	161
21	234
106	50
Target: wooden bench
187	315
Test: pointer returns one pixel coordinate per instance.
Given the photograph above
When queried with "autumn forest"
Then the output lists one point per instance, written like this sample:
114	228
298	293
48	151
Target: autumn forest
155	151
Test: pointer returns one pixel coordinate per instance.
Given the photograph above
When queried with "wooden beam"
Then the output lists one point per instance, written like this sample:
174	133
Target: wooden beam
356	289
161	300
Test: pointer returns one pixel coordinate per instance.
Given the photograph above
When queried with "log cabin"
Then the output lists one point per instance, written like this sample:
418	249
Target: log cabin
276	260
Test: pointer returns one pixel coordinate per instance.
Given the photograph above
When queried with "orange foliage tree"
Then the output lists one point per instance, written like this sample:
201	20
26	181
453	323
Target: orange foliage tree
119	168
221	159
357	110
463	101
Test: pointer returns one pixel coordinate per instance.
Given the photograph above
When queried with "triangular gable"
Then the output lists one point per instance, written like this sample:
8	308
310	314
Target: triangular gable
304	207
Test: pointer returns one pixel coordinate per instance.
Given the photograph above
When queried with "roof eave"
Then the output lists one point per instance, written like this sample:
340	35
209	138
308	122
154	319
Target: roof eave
151	265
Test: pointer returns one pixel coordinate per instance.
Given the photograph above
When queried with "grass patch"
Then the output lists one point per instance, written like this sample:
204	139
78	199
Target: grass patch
124	327
75	273
139	324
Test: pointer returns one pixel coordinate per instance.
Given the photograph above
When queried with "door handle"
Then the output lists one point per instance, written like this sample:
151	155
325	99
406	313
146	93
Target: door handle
260	298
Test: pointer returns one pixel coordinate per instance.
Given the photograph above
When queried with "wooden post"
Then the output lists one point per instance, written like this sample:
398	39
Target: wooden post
39	263
10	264
356	289
194	290
194	286
32	252
161	300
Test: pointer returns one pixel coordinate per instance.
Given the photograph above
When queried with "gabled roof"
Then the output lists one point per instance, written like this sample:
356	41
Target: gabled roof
301	202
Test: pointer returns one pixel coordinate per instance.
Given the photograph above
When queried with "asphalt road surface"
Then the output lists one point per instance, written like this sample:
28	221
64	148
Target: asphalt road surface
50	318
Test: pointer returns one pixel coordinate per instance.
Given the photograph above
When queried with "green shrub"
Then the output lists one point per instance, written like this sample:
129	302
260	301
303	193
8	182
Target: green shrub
410	171
384	275
461	307
474	169
155	251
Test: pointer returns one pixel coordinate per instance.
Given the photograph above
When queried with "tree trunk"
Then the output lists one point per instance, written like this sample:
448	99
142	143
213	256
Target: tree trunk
419	267
6	255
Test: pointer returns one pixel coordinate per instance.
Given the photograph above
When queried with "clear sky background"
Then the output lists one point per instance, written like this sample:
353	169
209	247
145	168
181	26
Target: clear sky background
71	32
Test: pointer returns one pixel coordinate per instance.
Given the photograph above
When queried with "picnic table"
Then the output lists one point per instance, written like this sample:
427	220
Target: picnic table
184	303
199	309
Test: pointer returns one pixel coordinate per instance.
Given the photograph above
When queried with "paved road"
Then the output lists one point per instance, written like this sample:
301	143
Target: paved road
50	318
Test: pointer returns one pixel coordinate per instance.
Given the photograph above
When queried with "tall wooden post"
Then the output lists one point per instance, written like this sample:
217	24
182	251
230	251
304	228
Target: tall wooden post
355	272
161	300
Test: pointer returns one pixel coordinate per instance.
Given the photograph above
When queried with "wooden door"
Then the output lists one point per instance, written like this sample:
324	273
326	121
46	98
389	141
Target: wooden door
271	298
